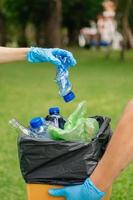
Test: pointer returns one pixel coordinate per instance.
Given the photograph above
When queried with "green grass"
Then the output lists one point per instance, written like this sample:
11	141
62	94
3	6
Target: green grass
28	90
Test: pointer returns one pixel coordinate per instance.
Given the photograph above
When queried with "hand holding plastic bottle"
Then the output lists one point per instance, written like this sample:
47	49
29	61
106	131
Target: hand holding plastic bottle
52	55
62	59
86	191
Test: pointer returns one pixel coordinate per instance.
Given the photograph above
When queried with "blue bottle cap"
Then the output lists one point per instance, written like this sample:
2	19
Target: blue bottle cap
54	111
36	122
69	97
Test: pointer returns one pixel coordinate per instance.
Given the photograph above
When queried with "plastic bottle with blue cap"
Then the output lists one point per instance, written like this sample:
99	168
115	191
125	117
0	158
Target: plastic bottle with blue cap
62	79
39	127
54	118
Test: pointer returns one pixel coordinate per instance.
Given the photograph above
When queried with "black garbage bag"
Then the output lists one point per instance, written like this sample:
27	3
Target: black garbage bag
61	162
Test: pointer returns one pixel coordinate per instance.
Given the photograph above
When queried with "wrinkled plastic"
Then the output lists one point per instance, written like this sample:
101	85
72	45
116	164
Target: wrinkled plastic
63	60
84	130
78	113
62	79
77	127
61	162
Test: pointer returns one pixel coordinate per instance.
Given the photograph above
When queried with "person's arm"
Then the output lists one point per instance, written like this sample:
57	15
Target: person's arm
118	154
36	54
12	54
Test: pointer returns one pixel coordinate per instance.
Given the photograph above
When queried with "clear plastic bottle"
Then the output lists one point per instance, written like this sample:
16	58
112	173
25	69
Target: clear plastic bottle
54	118
62	79
20	127
39	127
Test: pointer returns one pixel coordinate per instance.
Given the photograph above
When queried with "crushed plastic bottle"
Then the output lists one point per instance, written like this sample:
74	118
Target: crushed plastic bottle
63	82
20	127
77	127
54	118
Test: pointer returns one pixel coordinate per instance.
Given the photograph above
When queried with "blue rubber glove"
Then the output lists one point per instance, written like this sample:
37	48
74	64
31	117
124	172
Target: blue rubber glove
51	55
86	191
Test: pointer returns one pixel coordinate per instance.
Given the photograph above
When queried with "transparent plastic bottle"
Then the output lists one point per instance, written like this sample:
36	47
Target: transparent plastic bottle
63	82
39	127
20	127
54	118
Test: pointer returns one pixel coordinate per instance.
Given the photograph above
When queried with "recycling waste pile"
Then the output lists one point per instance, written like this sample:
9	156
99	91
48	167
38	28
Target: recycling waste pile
61	151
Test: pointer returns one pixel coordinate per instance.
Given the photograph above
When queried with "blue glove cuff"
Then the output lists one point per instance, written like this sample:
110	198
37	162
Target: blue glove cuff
36	54
91	187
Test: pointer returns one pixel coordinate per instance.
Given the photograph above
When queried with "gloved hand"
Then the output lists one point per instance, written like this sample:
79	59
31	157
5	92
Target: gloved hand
51	55
86	191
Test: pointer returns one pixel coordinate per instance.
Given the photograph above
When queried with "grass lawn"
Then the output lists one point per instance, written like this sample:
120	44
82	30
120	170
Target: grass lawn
28	90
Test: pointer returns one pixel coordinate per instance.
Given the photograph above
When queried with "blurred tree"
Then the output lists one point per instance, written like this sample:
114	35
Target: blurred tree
38	16
125	13
46	16
2	29
53	24
77	13
131	16
2	24
18	15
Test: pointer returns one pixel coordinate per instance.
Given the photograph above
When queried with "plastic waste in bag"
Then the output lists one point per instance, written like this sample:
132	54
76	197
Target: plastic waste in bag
77	127
38	126
54	118
62	162
79	113
20	127
62	80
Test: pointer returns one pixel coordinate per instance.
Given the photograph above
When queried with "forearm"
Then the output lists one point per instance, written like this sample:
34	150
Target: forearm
118	154
12	54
